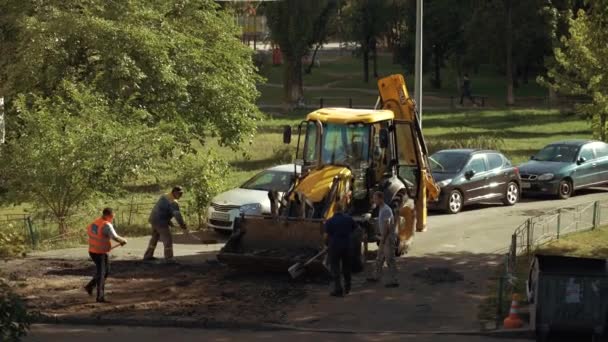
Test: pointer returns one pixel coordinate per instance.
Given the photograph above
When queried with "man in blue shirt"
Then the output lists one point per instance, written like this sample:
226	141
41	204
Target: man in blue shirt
339	229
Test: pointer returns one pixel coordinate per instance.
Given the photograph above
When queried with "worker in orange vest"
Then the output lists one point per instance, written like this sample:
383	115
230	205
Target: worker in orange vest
100	233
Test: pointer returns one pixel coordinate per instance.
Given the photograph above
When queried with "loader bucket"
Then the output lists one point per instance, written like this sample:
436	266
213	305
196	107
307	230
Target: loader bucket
261	243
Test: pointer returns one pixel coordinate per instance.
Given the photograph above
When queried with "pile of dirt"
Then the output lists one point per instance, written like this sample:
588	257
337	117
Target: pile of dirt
436	275
137	290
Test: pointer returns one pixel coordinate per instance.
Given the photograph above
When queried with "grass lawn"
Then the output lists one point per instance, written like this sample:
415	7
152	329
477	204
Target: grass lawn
346	72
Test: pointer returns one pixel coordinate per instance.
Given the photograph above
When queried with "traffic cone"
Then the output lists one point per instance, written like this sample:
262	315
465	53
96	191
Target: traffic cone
513	321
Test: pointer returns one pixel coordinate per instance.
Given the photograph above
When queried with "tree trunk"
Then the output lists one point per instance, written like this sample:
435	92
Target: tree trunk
509	42
437	80
365	64
375	57
312	61
292	83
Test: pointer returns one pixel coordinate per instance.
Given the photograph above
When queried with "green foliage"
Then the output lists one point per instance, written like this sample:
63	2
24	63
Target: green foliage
73	145
14	319
491	141
296	26
203	176
171	61
580	64
283	154
12	242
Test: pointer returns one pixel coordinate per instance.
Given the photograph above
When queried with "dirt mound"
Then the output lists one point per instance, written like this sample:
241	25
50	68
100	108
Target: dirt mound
137	290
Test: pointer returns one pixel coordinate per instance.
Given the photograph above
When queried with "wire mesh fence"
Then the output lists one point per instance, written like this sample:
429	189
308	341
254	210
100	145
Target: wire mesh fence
42	230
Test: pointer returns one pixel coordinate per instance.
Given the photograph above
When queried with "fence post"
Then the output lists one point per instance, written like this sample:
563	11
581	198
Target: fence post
321	102
513	251
559	221
350	102
528	227
31	229
596	212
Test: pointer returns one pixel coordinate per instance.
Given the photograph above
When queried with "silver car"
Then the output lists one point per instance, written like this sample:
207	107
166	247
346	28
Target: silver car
251	198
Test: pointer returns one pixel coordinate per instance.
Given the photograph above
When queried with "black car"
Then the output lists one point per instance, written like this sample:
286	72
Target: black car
469	176
564	166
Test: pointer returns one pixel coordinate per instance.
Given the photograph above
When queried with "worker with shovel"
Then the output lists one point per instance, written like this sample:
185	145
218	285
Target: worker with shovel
340	229
388	242
100	233
165	209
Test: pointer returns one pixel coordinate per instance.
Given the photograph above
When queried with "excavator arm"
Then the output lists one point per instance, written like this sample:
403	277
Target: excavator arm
410	144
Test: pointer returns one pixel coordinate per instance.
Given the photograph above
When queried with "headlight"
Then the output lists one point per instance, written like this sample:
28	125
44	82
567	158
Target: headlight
546	177
444	182
251	208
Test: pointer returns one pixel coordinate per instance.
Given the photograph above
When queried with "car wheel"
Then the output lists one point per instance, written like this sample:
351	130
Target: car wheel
565	189
512	194
455	202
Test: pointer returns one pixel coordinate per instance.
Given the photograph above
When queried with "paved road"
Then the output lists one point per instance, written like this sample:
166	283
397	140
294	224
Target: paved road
57	333
480	229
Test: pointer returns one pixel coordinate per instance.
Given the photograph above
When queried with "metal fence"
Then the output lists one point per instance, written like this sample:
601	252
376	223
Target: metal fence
41	229
540	230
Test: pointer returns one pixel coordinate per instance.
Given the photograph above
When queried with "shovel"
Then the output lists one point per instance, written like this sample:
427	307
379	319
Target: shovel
299	268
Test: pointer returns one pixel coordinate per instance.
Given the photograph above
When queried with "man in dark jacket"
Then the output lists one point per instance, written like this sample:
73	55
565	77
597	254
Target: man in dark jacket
340	229
160	218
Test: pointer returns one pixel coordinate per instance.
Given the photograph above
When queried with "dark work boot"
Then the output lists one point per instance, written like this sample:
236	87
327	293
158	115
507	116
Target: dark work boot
89	289
336	293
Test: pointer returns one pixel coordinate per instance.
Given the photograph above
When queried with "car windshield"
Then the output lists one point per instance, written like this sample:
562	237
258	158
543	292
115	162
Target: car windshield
342	144
269	180
557	153
448	162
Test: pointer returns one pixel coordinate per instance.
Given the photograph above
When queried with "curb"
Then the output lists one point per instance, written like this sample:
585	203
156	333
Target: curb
212	324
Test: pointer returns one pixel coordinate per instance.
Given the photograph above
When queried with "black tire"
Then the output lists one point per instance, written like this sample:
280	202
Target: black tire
512	194
565	189
454	203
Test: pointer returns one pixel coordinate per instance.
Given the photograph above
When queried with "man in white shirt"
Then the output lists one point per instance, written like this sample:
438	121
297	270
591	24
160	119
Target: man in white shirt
387	245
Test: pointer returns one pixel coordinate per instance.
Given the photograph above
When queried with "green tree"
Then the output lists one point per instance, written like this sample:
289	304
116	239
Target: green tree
99	91
175	61
72	146
296	26
365	22
580	65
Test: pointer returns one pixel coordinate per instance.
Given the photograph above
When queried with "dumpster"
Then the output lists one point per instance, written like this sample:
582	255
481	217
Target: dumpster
567	295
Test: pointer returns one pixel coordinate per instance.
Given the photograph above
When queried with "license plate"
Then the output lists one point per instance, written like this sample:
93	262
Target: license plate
220	216
525	185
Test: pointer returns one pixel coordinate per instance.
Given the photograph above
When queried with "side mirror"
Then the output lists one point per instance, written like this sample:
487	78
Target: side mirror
469	174
287	135
581	160
384	138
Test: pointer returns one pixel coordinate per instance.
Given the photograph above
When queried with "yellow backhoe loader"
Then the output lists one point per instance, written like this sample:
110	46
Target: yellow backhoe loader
345	156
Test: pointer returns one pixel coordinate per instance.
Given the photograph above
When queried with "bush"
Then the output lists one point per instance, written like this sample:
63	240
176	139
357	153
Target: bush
14	319
203	176
283	154
466	140
12	243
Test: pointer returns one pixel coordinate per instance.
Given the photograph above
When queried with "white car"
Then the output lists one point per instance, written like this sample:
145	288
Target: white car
251	198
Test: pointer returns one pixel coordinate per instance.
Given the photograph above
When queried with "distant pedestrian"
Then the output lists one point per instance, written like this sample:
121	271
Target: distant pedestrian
100	233
387	244
340	229
165	209
466	90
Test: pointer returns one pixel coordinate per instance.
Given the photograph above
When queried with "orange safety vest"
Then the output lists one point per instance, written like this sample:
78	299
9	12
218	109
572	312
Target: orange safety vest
98	242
